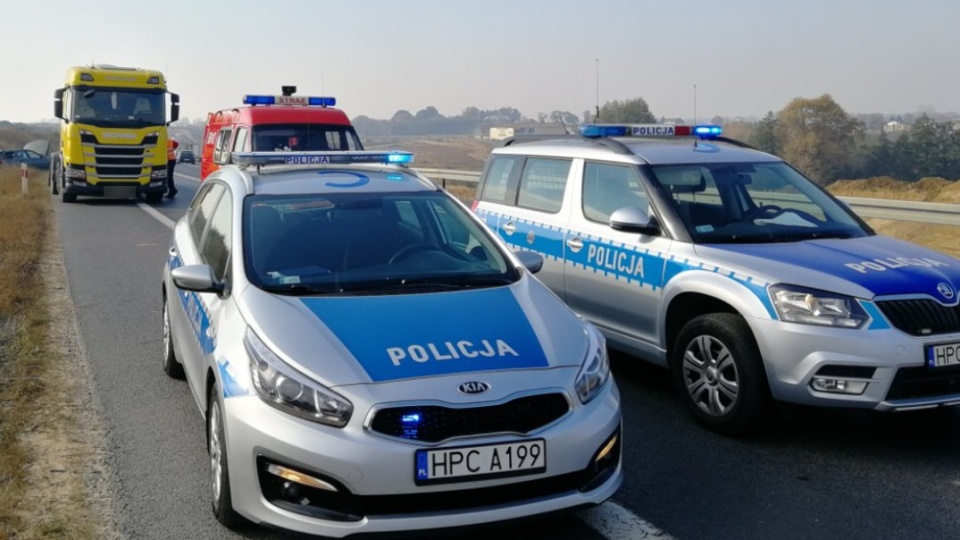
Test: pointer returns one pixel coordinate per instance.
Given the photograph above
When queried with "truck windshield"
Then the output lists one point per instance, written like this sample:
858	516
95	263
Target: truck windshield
293	137
753	202
118	107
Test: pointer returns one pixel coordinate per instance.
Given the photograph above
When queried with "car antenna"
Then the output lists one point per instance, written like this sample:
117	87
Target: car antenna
695	112
564	124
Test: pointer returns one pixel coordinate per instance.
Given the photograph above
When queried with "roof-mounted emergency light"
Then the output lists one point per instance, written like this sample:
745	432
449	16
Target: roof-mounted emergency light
650	130
320	158
297	101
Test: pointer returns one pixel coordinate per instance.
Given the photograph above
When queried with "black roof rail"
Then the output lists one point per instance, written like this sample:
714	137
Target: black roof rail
734	142
612	144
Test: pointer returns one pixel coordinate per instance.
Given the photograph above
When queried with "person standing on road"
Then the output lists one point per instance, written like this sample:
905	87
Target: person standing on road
172	145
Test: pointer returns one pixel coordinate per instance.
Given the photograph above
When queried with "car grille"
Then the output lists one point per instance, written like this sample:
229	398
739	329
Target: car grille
434	423
117	161
924	382
921	317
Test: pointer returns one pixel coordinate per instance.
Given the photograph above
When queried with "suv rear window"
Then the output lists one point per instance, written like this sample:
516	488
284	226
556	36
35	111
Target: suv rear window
304	137
542	184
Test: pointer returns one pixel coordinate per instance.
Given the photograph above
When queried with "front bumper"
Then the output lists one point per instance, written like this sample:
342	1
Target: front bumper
115	189
891	363
376	474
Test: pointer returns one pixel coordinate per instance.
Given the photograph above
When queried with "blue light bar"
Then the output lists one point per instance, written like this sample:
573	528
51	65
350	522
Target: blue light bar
708	131
704	131
320	158
601	130
412	418
294	101
258	100
322	101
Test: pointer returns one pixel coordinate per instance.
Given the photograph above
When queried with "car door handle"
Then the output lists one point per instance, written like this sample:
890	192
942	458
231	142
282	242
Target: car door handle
510	227
575	244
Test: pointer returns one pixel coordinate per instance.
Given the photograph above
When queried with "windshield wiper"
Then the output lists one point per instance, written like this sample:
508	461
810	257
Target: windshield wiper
297	289
458	283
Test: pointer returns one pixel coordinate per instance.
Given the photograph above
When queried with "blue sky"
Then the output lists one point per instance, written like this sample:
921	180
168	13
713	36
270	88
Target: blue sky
744	56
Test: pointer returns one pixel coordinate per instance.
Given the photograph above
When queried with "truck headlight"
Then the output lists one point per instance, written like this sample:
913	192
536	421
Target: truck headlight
158	173
596	367
811	306
283	387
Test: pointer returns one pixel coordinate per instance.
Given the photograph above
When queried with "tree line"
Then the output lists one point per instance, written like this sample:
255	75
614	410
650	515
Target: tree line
827	144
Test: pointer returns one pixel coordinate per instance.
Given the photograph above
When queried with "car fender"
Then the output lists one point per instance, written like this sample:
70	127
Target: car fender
746	295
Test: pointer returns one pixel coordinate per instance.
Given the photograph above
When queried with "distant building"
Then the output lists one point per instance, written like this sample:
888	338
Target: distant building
894	127
528	128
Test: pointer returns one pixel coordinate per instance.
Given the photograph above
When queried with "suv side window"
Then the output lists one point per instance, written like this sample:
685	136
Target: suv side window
497	179
608	187
217	241
202	209
542	184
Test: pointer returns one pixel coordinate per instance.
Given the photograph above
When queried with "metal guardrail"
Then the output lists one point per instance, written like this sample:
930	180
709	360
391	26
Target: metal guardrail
920	212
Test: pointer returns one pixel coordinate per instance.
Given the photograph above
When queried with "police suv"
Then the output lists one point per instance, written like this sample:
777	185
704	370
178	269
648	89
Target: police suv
727	266
370	358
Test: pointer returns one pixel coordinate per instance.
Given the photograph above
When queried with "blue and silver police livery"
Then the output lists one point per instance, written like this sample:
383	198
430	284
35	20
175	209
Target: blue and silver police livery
731	269
370	358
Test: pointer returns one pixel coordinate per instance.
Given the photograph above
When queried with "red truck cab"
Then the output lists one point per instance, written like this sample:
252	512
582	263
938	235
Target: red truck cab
269	123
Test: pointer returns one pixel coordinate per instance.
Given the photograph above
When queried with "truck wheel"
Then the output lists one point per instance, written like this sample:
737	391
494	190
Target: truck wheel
171	365
53	179
219	472
719	373
153	197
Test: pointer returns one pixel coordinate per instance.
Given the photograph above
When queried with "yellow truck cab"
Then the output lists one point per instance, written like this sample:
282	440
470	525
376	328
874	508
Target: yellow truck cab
113	133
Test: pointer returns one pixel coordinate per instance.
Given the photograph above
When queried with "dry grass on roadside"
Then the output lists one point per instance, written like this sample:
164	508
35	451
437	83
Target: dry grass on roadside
37	414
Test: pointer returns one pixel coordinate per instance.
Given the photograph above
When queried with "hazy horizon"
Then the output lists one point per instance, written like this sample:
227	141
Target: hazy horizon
745	57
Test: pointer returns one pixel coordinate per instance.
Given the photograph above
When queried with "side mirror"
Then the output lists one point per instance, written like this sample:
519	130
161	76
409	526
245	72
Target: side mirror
633	219
58	103
174	108
530	260
196	278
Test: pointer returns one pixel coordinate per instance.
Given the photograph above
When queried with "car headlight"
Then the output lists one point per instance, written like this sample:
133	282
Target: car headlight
810	306
283	387
596	367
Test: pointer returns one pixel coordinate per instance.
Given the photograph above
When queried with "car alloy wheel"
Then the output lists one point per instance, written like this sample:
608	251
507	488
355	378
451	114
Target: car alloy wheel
711	375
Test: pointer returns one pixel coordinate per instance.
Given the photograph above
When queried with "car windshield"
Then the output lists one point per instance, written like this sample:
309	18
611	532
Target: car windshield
384	243
753	203
118	107
305	137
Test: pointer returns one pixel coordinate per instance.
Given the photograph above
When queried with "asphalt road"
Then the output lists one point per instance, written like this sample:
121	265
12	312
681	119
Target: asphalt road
815	475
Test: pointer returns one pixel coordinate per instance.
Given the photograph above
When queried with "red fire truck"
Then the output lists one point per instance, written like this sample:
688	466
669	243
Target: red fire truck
268	123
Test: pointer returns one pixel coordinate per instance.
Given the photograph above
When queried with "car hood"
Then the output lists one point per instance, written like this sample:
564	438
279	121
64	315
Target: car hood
40	146
864	267
344	340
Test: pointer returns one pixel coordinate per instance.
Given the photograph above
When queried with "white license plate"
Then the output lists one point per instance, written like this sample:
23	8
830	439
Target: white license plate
946	354
119	192
468	463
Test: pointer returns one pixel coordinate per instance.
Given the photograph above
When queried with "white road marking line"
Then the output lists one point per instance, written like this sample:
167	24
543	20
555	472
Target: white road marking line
187	177
157	215
617	523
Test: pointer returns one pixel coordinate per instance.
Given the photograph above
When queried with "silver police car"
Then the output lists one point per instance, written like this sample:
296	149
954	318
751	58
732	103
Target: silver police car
748	281
370	358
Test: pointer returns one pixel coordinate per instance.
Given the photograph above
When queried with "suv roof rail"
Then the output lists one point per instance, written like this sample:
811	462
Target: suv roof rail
612	144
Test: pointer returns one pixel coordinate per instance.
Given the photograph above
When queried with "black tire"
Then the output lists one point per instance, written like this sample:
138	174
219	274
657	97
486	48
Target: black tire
153	197
719	374
171	365
64	196
54	177
222	502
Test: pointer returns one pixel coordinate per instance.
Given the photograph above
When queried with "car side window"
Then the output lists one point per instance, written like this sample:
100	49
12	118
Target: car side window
217	241
542	184
202	209
497	179
608	187
220	151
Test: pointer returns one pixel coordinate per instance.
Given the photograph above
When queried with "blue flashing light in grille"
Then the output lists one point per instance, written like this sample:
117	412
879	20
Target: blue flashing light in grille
412	418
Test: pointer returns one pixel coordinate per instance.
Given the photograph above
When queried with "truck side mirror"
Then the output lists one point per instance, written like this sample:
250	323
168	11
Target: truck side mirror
174	108
58	103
